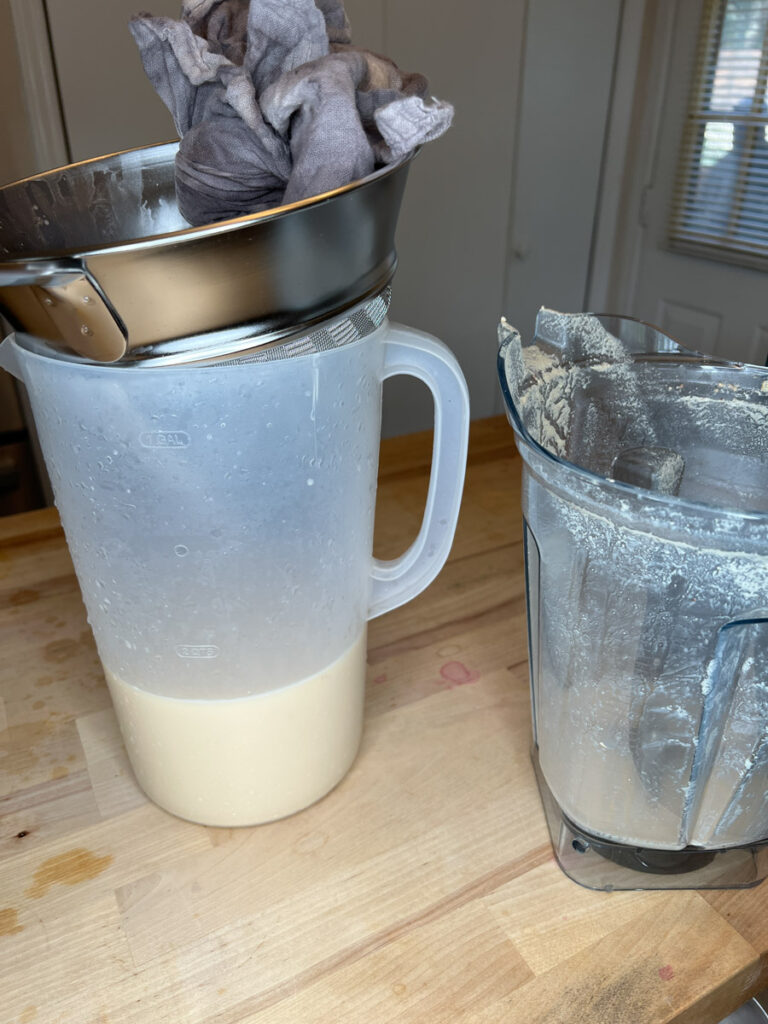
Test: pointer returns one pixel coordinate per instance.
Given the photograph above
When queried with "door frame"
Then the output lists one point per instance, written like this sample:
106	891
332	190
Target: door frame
631	152
45	122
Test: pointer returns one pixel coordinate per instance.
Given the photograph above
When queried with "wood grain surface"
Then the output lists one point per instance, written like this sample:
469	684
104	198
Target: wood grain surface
422	890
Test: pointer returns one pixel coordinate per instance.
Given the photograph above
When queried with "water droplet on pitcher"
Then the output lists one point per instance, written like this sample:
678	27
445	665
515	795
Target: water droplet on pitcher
310	482
181	550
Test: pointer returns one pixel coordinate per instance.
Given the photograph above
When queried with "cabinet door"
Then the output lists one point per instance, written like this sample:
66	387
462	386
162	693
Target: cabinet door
567	86
106	98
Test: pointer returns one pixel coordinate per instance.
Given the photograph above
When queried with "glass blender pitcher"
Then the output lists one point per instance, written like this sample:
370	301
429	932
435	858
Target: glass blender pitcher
645	499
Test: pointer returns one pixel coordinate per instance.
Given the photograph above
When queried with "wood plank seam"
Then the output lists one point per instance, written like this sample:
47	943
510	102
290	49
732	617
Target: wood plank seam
480	887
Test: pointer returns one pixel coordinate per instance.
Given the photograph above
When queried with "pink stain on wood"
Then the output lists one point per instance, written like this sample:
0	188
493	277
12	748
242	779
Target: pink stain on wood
666	973
457	674
381	679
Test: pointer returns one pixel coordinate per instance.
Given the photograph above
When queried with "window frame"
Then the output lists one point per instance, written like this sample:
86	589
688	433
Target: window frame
679	237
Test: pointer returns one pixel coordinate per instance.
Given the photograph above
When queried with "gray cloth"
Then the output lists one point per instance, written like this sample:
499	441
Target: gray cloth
316	106
273	104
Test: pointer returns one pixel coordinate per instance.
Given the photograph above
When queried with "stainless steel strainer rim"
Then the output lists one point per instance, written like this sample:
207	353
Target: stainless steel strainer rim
269	274
222	349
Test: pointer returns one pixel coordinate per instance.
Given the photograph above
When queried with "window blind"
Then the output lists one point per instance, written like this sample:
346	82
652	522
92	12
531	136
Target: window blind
720	199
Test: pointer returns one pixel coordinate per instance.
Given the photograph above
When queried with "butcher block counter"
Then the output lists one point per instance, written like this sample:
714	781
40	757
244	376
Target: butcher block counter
422	889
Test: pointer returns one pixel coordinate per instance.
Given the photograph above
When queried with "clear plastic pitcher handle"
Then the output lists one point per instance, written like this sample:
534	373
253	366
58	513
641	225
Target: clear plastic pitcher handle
8	358
420	355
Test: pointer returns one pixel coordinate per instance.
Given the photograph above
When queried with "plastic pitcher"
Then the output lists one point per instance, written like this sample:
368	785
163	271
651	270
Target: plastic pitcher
645	498
220	519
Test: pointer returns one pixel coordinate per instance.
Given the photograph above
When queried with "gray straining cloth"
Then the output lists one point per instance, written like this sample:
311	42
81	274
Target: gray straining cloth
274	104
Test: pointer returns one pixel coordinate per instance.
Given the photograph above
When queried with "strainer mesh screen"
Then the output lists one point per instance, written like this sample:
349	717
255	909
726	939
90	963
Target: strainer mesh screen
361	321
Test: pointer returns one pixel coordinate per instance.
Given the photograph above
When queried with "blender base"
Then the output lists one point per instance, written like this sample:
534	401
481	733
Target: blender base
598	863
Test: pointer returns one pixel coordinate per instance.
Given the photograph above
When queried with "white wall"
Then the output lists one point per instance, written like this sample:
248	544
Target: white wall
107	99
453	227
17	158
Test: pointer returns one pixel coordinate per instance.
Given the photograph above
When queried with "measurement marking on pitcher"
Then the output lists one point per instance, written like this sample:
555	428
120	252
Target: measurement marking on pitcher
197	650
164	439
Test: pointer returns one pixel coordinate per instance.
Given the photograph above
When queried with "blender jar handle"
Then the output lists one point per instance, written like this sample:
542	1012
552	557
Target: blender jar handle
416	354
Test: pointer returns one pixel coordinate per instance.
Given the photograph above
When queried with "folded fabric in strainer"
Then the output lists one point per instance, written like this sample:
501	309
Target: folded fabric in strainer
274	104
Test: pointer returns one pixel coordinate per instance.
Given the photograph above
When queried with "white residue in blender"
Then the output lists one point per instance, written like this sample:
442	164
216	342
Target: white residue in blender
546	377
630	623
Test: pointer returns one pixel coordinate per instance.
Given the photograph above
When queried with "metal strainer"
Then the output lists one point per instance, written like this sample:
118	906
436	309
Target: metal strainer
96	259
333	333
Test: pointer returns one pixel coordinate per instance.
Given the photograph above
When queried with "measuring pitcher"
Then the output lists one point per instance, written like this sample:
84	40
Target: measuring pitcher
220	519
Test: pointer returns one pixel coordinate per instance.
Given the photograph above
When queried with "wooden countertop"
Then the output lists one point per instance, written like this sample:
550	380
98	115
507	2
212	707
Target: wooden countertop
423	889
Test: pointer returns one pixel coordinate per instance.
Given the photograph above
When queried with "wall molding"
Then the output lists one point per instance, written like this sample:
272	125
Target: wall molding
38	82
629	46
631	152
